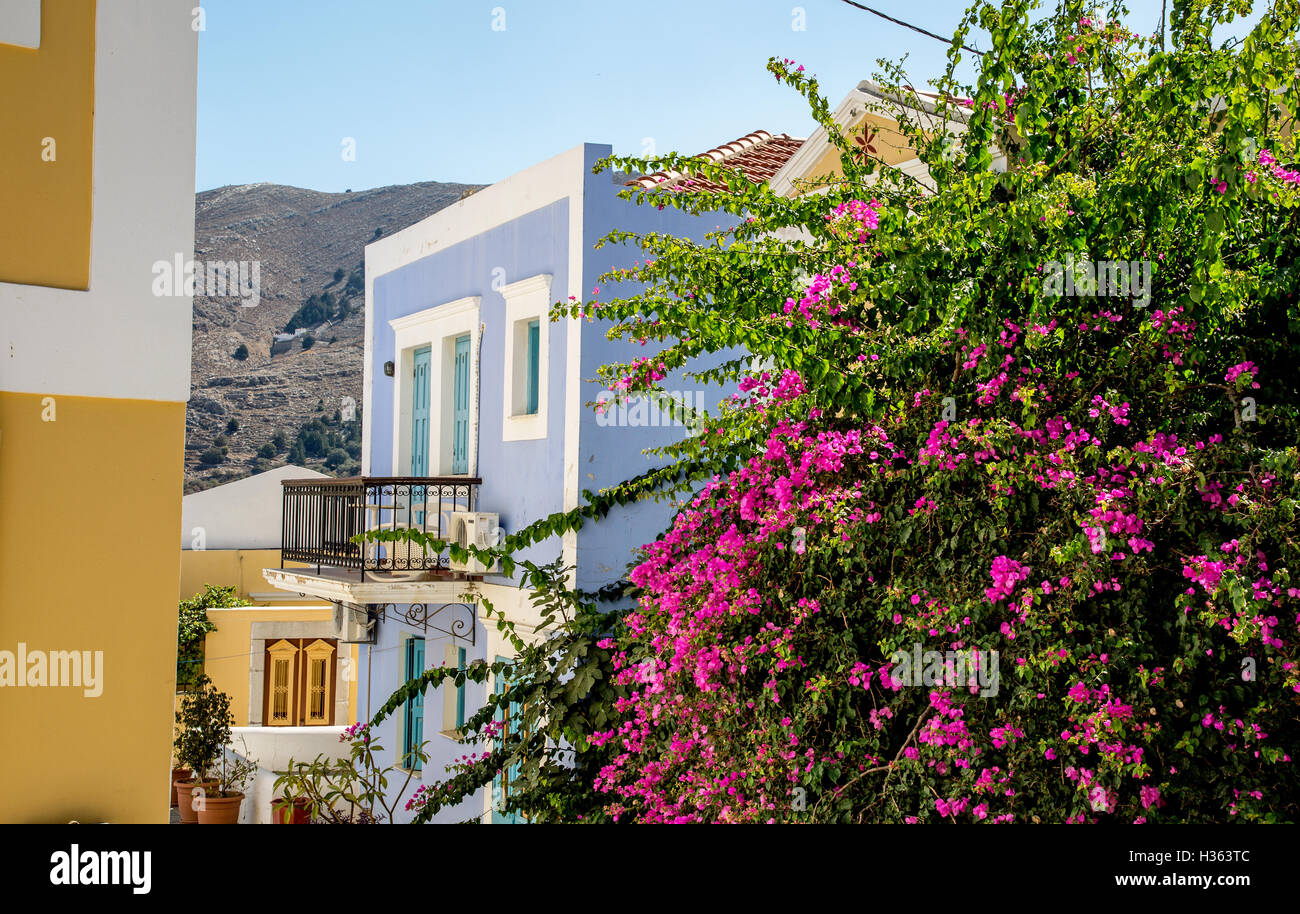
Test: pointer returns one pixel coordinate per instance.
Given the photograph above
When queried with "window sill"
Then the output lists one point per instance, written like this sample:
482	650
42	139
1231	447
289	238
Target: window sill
524	427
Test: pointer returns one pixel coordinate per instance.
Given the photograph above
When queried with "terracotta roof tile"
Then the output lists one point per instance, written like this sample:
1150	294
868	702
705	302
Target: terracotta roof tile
759	155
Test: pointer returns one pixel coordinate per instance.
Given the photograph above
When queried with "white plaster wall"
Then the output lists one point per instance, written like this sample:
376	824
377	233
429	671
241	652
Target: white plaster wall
118	340
245	514
272	748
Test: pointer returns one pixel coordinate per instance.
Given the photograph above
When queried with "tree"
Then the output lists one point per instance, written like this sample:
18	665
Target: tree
339	274
980	537
336	458
308	341
267	451
279	441
241	353
212	456
232	426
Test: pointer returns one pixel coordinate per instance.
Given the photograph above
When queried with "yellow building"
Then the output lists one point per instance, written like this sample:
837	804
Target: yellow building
229	534
97	136
285	660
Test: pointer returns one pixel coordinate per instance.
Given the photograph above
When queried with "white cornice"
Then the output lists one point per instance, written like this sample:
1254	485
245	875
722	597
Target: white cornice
455	308
530	286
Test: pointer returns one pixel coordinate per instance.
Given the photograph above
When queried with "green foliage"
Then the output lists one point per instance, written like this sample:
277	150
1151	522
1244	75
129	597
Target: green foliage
348	791
203	724
241	352
308	341
1077	140
212	456
192	628
267	451
561	685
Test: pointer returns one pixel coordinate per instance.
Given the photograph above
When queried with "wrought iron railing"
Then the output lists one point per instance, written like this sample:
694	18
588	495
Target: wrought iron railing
323	518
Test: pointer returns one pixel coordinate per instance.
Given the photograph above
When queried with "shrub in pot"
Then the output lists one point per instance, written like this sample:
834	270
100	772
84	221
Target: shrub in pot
204	722
221	806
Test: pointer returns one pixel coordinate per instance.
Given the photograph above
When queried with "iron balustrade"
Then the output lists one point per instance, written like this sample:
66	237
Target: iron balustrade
322	518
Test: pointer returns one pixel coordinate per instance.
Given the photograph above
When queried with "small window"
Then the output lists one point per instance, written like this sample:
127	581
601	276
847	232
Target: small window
533	368
527	369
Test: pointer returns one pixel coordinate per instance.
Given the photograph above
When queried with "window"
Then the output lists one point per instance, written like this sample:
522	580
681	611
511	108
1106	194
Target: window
434	404
453	696
299	682
527	339
532	368
526	376
319	682
413	711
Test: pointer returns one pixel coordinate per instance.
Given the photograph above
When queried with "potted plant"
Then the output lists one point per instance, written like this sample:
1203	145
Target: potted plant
345	791
291	810
204	722
221	806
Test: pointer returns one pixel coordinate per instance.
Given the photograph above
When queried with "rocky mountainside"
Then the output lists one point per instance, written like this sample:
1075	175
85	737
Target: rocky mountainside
310	250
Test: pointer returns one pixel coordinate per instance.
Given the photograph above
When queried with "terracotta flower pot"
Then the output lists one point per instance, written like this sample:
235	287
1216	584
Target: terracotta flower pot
220	810
185	788
178	774
291	812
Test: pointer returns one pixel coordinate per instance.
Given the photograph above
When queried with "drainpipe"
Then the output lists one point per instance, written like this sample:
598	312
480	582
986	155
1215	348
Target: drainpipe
478	386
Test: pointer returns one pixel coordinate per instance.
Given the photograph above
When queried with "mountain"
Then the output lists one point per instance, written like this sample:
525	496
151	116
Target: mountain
309	251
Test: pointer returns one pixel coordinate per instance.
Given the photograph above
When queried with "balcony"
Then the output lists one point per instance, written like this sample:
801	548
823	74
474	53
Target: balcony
323	517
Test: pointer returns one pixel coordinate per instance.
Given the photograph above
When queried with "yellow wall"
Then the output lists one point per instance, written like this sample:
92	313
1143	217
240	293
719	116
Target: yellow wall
45	206
226	651
89	508
240	568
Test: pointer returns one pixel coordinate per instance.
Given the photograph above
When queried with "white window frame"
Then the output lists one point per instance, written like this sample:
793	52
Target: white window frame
438	328
526	300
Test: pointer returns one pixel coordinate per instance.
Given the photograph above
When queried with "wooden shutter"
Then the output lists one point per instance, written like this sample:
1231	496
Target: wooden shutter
318	683
281	704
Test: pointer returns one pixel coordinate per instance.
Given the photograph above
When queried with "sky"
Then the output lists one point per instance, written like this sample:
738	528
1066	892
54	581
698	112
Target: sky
472	92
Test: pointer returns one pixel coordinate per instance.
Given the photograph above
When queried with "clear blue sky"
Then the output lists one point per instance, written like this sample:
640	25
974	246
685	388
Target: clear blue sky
431	92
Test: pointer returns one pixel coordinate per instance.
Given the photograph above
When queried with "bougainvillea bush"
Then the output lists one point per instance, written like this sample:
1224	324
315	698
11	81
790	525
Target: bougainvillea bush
1041	406
1000	523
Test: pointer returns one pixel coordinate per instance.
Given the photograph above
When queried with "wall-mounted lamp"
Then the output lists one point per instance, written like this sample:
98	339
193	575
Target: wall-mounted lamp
389	369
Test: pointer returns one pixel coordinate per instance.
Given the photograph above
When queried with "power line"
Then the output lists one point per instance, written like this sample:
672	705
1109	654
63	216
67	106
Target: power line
908	25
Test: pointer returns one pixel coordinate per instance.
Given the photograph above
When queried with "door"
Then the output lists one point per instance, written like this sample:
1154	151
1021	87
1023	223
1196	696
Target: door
460	408
420	394
503	783
413	716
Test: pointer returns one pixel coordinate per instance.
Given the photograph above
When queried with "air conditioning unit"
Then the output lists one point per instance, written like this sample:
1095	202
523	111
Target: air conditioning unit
479	529
352	624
